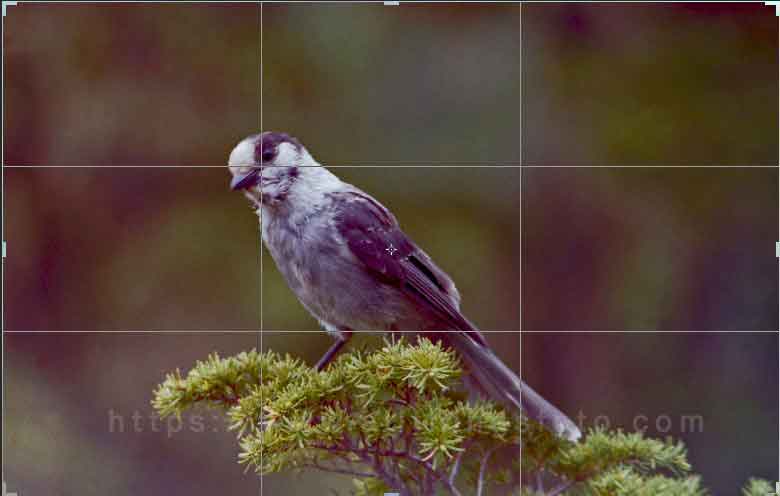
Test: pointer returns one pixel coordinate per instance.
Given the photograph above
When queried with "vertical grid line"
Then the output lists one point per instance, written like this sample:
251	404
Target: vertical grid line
778	231
260	129
520	215
260	219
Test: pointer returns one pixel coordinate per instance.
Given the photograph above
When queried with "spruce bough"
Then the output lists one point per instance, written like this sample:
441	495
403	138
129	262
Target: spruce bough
395	420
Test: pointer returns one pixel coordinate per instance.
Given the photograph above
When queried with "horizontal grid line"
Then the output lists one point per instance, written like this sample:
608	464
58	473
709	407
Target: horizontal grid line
268	331
421	164
607	166
224	166
229	331
648	331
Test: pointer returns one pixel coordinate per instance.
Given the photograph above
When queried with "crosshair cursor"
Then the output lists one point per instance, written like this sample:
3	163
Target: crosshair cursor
5	491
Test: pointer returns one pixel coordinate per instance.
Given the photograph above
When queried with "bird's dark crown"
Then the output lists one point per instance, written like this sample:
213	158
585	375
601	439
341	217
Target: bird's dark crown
267	145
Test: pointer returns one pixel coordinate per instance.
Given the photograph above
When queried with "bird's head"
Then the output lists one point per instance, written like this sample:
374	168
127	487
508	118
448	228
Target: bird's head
266	165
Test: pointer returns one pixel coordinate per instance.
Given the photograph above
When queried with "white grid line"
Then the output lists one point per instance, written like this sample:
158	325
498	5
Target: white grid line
279	331
259	224
475	165
520	217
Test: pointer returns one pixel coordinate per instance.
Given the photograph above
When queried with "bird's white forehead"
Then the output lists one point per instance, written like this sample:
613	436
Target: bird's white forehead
243	154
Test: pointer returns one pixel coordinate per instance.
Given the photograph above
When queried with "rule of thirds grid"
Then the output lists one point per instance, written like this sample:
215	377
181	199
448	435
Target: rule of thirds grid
520	165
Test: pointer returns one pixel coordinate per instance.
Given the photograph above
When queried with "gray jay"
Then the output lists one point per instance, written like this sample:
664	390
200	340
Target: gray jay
349	263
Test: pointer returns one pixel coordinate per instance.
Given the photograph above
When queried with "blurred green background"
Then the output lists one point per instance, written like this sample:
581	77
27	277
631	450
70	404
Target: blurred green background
715	392
123	84
614	249
650	84
364	84
77	417
97	248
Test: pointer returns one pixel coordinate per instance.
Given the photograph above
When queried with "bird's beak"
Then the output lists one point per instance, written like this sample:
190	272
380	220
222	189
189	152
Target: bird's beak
245	180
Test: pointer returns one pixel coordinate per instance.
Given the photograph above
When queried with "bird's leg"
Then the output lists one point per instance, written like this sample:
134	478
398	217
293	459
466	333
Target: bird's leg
329	355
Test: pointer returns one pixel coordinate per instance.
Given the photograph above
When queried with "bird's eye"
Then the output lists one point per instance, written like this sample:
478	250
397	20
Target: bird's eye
268	155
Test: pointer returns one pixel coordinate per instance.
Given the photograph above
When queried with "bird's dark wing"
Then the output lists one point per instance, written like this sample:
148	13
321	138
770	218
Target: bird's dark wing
374	237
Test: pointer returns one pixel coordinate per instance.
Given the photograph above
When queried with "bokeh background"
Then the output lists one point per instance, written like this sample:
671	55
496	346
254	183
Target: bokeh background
649	84
97	247
689	249
716	392
78	419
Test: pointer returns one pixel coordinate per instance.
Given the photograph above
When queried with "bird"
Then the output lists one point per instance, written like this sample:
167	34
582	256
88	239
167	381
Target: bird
345	257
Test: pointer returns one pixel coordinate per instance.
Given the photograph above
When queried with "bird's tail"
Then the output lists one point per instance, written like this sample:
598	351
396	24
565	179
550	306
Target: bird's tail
492	378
